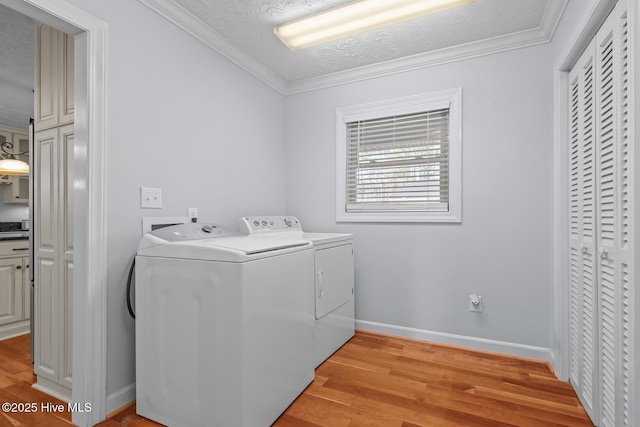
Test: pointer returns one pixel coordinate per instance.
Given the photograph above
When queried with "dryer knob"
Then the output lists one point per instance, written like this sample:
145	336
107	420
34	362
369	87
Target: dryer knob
288	222
207	229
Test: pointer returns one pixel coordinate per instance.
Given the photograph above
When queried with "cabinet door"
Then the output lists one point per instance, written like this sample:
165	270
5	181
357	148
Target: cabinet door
66	251
11	303
54	93
47	66
67	325
66	89
53	221
334	278
47	261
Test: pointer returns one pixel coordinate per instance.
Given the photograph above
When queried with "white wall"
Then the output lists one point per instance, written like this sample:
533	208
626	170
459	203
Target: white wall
186	120
420	275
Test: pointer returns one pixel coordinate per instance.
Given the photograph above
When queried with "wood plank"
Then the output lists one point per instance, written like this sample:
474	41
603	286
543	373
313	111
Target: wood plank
375	381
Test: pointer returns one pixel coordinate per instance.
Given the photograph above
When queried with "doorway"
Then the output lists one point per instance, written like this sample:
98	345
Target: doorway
89	276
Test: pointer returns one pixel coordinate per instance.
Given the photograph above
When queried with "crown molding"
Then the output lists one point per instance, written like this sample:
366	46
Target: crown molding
189	23
551	17
179	16
424	60
543	34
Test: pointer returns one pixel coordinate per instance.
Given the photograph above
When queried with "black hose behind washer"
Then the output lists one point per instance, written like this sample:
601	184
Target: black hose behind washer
133	264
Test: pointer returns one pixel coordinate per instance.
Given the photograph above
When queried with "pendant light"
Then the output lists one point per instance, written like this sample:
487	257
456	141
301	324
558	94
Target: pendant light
10	165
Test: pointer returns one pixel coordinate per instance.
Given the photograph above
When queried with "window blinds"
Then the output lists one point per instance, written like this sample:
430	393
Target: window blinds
399	163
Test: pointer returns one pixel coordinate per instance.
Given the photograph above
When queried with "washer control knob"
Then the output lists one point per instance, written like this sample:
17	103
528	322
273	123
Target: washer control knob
288	222
256	223
264	223
207	229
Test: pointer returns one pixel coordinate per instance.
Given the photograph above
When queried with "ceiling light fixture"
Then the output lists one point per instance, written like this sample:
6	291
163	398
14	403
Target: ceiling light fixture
356	17
10	165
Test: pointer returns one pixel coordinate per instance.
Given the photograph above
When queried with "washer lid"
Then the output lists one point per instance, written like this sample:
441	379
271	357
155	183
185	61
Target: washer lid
322	238
230	249
315	238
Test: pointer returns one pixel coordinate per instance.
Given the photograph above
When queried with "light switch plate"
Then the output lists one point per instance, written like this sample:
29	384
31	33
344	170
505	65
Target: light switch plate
150	198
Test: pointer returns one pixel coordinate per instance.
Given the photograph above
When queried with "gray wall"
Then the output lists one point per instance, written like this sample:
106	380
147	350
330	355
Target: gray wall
420	275
182	118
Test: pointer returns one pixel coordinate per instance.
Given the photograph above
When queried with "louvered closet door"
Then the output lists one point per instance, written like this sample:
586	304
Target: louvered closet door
613	221
583	294
601	225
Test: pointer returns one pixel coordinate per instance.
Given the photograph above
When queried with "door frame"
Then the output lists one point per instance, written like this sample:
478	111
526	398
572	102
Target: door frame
90	247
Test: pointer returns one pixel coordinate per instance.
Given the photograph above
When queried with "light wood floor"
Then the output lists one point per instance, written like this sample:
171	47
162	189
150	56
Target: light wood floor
376	380
16	378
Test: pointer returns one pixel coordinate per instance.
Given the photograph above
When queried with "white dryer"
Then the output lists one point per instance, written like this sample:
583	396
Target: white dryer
333	278
224	326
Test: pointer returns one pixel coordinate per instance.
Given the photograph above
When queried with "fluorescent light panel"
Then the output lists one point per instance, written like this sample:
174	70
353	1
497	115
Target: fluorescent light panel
356	17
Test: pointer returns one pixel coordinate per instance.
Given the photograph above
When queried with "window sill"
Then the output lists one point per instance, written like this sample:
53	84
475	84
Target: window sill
400	217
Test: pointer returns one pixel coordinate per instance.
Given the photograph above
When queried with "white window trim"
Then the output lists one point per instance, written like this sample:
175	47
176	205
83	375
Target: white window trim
451	99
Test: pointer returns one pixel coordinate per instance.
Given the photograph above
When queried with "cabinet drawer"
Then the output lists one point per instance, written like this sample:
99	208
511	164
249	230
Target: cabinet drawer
14	248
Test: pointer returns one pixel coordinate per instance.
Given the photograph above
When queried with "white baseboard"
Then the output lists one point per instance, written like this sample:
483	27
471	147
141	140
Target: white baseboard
14	329
521	350
52	389
120	398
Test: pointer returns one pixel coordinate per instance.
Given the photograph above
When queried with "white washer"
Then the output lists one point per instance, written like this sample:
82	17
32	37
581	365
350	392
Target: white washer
333	278
224	326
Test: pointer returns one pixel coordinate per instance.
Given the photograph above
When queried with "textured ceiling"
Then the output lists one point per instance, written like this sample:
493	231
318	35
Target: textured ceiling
249	26
17	44
243	31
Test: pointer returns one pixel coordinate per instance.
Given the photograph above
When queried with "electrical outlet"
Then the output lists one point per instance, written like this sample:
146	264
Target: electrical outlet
192	213
475	303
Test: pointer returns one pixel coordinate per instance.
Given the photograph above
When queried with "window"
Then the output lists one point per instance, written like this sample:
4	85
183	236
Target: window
399	160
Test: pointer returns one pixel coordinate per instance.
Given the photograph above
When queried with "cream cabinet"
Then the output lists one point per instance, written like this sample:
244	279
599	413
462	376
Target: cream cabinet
53	243
53	211
54	91
11	290
14	295
15	188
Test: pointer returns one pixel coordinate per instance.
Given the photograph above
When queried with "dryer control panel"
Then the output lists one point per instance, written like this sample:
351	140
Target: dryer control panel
269	224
